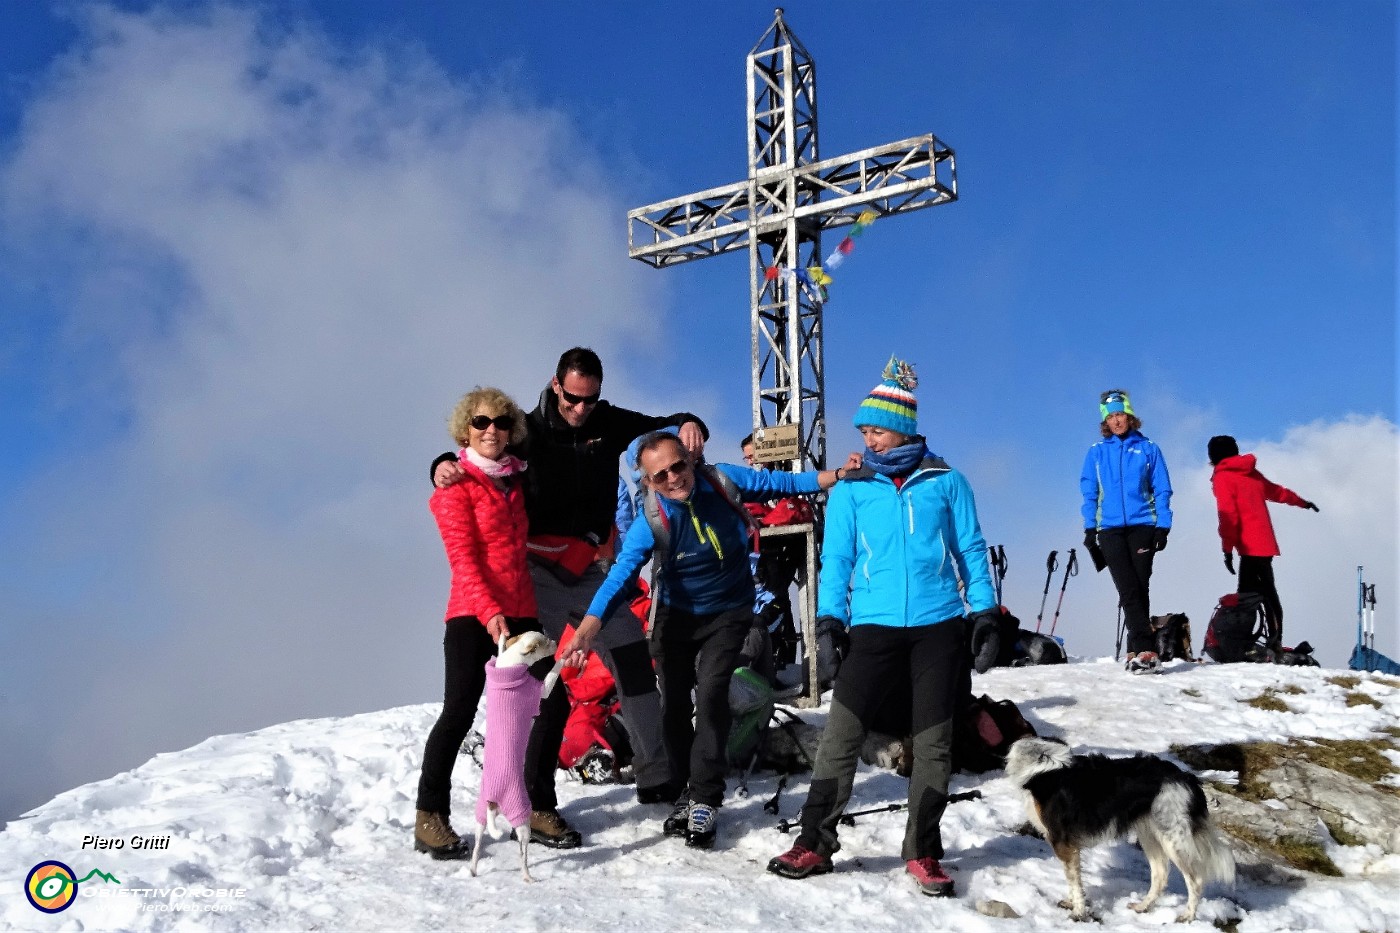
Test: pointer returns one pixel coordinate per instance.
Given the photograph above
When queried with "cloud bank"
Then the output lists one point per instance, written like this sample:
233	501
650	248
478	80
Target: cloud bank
276	265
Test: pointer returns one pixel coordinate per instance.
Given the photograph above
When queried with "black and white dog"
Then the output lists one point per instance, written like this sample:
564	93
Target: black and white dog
1079	801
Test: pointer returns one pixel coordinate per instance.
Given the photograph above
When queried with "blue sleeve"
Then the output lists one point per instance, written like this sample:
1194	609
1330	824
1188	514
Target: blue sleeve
972	546
838	555
758	485
1089	486
636	548
1161	488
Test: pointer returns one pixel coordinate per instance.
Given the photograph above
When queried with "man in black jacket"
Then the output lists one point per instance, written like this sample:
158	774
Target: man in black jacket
572	446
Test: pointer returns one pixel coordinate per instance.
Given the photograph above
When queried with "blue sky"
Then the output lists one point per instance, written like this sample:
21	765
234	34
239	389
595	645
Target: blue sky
251	255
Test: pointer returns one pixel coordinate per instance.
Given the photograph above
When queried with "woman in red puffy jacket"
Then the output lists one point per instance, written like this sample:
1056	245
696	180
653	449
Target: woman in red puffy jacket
482	522
1242	497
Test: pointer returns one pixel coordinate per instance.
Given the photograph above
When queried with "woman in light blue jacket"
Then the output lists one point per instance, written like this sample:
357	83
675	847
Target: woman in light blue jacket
901	532
1127	514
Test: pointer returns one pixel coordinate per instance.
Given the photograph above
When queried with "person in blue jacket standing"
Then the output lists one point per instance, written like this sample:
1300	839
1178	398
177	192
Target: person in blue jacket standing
901	535
1127	515
705	589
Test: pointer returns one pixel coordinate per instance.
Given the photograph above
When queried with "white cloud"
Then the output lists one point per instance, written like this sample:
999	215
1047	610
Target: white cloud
281	263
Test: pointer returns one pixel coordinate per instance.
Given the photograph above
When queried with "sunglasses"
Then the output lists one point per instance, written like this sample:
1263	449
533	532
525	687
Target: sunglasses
502	422
677	469
573	399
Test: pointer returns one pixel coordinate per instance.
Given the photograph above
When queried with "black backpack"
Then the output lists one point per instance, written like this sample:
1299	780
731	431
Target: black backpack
1235	628
983	734
1038	648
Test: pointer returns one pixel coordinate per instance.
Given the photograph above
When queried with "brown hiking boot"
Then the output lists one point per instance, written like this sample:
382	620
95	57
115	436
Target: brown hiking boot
432	833
548	828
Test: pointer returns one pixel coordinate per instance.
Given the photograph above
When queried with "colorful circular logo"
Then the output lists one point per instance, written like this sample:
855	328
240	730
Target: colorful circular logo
51	887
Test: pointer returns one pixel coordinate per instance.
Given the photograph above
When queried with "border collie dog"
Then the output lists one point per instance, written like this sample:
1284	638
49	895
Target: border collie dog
1079	801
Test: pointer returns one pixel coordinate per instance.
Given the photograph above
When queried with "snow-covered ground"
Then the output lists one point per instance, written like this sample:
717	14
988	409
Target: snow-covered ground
307	825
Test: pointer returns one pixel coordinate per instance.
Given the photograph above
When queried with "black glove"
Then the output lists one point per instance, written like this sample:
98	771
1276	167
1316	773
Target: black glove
840	638
1230	562
1091	538
833	645
1311	505
986	640
1159	539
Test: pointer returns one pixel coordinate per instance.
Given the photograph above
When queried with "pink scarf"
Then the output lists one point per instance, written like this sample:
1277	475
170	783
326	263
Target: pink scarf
508	465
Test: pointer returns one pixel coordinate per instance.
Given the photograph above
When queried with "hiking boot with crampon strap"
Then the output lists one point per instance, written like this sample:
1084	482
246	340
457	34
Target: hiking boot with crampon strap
799	862
930	876
700	827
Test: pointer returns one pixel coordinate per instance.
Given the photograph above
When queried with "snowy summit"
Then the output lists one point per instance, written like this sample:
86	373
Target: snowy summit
308	825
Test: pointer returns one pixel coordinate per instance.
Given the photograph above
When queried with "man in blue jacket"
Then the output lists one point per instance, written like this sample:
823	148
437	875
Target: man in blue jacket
706	595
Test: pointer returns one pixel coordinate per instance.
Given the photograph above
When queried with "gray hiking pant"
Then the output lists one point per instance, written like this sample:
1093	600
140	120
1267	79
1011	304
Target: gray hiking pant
622	645
930	658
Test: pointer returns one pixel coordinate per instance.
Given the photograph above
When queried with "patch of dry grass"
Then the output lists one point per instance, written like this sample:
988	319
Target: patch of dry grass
1363	759
1300	852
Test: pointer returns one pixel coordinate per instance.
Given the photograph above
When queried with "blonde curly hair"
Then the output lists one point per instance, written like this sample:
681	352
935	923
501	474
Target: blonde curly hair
488	401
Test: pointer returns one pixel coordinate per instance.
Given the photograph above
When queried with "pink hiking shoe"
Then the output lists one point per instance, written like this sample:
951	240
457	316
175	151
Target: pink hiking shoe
930	876
799	862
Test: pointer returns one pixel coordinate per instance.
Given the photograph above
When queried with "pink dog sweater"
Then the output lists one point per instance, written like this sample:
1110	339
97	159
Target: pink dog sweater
512	701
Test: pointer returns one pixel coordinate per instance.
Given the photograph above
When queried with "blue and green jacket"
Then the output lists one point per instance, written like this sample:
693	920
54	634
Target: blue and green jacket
893	556
1125	482
708	569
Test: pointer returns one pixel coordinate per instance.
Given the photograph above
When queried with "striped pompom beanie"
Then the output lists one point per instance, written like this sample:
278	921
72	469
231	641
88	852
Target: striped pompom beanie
891	404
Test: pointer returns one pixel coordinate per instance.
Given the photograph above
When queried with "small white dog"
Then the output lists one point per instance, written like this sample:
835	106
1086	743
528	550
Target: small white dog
1079	801
522	673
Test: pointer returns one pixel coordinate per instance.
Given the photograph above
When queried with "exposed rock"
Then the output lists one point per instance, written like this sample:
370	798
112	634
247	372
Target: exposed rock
997	909
1338	800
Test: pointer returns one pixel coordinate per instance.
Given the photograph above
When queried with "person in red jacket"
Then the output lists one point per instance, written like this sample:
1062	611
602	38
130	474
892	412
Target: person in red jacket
1242	495
482	521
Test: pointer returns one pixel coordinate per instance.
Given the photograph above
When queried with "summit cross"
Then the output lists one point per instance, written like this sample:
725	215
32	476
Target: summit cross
779	212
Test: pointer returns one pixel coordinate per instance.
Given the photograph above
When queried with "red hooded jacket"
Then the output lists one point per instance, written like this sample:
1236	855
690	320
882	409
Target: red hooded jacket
1242	495
483	530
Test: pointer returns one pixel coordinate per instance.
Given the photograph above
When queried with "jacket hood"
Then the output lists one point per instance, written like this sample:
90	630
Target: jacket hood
1242	463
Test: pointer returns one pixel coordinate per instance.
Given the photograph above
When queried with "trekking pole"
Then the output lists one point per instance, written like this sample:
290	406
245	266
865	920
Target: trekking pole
996	556
1071	570
849	819
1118	645
1369	599
1051	564
772	805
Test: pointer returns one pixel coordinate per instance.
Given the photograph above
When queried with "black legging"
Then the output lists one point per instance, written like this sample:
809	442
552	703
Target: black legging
466	648
1128	552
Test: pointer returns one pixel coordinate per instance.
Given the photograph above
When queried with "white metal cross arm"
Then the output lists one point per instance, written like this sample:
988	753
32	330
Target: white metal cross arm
894	178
